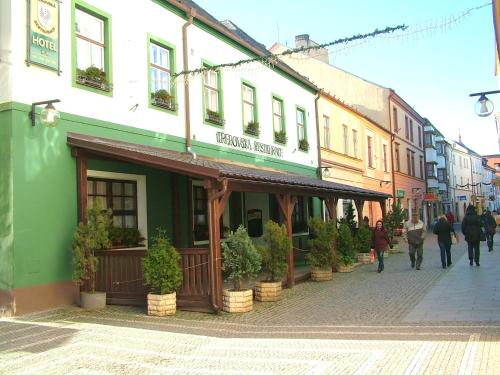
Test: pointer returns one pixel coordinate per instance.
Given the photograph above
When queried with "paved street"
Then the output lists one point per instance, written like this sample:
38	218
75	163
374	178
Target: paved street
402	321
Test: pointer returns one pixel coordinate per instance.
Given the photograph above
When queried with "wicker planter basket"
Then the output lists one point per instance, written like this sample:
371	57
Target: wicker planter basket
345	269
238	301
268	291
321	274
162	304
364	258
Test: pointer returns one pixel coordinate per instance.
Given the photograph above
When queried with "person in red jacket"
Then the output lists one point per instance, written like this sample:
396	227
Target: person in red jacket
380	242
450	217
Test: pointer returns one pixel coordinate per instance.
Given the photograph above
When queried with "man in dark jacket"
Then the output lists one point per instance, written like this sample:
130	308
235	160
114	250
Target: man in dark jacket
444	231
471	228
490	228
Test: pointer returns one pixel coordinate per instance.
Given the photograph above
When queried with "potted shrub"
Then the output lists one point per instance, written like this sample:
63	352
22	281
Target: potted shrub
240	261
345	249
304	145
93	77
274	253
163	275
125	237
162	98
392	222
280	137
362	244
88	238
214	117
252	128
321	244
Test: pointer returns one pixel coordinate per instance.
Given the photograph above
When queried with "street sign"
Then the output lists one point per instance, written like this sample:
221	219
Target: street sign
400	193
462	197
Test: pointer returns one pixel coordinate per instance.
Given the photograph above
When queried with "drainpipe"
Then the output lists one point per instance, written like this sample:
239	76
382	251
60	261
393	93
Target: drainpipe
191	13
393	137
317	134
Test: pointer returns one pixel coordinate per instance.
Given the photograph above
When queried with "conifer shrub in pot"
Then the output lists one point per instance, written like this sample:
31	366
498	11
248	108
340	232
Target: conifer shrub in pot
345	249
321	244
241	262
162	274
274	253
362	244
89	237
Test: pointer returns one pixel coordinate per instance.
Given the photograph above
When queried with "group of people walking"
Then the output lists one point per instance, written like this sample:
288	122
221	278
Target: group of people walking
475	229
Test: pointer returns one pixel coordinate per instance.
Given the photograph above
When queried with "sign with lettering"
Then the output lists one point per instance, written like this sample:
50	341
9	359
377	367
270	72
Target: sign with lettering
43	33
248	144
400	193
462	197
430	197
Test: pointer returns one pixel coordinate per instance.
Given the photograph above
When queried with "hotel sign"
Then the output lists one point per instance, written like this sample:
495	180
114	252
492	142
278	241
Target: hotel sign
43	33
247	144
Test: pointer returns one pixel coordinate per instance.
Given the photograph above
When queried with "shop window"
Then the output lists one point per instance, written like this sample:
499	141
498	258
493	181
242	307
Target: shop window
120	196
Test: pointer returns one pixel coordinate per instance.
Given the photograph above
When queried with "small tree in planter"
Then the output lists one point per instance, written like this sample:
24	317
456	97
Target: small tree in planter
392	221
345	249
88	238
274	252
321	245
362	243
241	261
163	275
350	219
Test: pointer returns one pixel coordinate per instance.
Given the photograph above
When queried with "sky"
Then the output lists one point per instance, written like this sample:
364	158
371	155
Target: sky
434	65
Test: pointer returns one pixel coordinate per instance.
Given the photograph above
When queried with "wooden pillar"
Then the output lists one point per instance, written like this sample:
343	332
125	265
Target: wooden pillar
286	203
383	208
331	206
217	200
359	207
81	178
176	215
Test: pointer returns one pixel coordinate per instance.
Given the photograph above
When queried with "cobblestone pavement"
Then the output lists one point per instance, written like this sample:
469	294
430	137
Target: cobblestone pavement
358	323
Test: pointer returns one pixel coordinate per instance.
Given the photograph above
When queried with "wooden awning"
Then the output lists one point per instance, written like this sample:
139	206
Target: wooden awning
239	177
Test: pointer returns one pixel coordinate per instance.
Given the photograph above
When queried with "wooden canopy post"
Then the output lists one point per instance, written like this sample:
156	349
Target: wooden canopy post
286	203
81	179
359	207
383	208
217	200
331	206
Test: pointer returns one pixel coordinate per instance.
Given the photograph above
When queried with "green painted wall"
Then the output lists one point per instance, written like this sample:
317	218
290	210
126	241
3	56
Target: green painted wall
6	202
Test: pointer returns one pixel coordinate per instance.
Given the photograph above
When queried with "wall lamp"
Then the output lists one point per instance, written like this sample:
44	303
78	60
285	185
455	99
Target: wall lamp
384	182
49	116
325	173
484	107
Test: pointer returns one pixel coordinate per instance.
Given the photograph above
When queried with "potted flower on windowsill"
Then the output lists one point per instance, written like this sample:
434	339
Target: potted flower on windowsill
93	77
321	255
304	145
162	273
252	128
345	249
125	238
274	253
89	237
214	117
241	262
280	137
161	98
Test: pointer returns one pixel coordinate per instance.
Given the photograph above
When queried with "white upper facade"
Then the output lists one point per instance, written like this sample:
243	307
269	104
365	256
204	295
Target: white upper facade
139	46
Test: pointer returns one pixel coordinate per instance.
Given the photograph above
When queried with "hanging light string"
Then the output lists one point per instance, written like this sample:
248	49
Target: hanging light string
272	59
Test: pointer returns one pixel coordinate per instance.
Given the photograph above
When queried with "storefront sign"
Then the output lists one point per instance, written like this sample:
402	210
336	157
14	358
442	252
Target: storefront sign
462	197
43	33
430	197
400	193
248	145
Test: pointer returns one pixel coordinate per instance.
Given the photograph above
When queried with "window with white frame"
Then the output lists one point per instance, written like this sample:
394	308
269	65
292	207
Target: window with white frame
278	123
384	155
326	131
301	121
89	40
248	104
212	96
355	142
345	138
369	144
160	75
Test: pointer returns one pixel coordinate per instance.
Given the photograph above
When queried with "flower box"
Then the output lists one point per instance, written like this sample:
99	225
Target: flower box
214	118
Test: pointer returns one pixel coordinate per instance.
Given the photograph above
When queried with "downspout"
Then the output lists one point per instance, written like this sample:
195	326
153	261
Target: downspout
191	13
318	147
393	137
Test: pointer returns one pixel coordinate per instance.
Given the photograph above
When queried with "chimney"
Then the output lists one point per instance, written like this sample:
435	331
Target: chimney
302	40
320	54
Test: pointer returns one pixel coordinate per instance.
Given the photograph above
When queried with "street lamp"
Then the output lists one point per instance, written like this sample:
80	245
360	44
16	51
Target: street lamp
484	107
49	116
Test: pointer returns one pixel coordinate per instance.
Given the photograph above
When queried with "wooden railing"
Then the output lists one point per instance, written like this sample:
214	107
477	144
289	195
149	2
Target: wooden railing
195	288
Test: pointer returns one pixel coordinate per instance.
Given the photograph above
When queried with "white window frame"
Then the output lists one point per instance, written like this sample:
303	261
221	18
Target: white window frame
91	42
159	68
326	132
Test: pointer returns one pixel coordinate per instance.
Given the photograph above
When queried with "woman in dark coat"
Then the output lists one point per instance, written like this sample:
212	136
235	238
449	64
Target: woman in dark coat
444	230
471	228
380	242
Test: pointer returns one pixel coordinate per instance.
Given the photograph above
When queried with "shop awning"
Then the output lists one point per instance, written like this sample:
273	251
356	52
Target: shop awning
240	177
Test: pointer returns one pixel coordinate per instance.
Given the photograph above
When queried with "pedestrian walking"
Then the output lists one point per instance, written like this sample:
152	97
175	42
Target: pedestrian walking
380	242
490	228
444	230
472	230
450	217
414	233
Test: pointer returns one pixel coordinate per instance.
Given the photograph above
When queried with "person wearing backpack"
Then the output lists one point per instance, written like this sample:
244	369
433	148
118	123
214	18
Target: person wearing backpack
490	228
